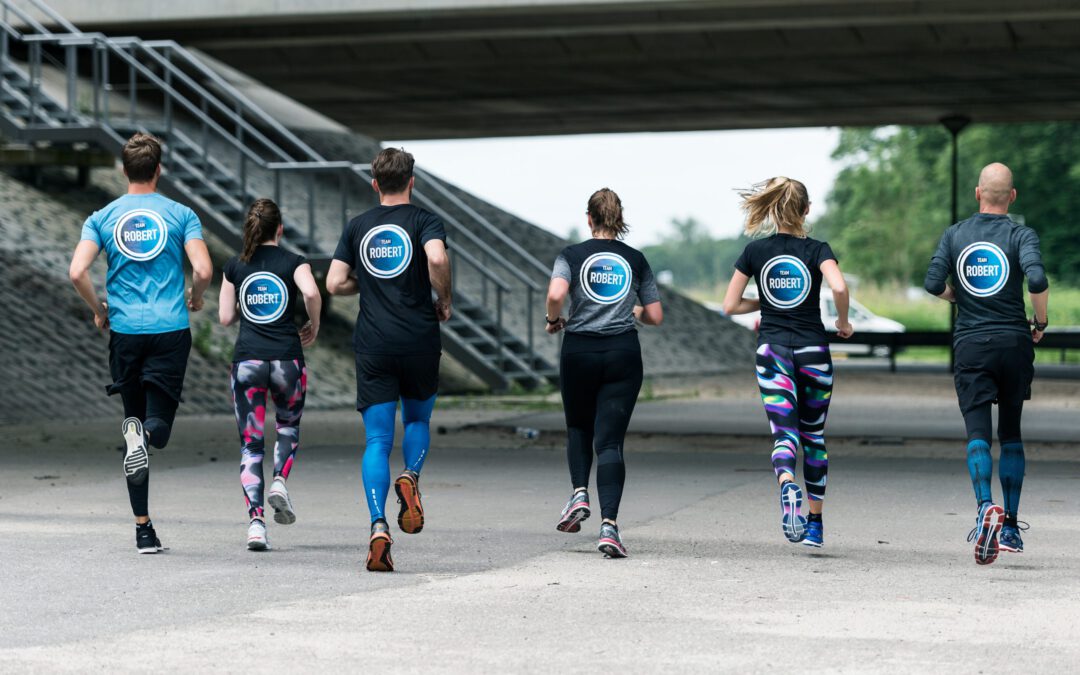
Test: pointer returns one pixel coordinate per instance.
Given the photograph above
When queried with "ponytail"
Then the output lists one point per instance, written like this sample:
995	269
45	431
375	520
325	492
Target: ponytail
260	226
773	204
605	209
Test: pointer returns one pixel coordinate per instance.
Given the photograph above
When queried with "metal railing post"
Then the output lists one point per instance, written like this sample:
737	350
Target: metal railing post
529	318
35	79
71	57
106	87
131	87
277	187
95	79
343	181
205	140
501	360
167	105
311	211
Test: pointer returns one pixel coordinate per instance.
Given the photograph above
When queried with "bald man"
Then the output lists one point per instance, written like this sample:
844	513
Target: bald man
988	255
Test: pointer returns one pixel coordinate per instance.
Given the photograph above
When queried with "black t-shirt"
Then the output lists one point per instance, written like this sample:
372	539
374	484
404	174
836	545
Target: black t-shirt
266	294
787	271
385	248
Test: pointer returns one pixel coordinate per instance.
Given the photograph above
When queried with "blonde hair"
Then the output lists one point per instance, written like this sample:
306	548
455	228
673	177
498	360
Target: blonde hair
605	209
773	204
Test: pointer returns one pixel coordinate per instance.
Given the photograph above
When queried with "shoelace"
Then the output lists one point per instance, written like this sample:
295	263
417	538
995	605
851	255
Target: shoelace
1021	525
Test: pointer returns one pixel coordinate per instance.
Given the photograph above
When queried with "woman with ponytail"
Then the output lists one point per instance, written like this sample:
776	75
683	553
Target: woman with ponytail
794	366
258	289
600	372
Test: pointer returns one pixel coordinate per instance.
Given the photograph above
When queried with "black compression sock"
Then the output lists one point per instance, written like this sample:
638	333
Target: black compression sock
813	517
143	526
1010	521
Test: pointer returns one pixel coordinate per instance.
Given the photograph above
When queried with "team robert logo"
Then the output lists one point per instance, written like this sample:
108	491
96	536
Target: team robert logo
785	281
982	269
606	277
263	297
386	251
141	234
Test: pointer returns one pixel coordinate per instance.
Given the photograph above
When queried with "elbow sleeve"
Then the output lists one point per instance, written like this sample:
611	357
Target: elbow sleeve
1037	281
934	285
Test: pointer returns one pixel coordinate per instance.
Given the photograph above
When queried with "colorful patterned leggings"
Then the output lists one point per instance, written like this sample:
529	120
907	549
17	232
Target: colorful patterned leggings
286	381
796	386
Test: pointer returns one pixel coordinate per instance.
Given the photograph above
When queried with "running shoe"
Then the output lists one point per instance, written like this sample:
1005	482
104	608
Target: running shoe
278	497
815	534
257	540
1010	537
136	457
576	511
791	507
411	517
610	543
146	540
985	533
378	557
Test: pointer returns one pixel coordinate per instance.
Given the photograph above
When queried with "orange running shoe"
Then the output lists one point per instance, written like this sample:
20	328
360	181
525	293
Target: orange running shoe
411	518
378	557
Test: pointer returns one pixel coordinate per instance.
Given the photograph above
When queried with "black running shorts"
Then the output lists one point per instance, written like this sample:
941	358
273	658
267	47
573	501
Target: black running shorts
384	378
994	369
159	358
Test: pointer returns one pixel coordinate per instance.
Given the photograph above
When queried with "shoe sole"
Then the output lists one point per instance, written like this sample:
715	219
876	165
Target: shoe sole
256	545
986	546
148	551
378	559
573	520
1008	549
611	549
792	521
283	512
136	457
411	518
813	544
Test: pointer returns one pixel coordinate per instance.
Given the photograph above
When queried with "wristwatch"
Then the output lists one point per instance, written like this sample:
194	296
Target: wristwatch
1040	326
550	322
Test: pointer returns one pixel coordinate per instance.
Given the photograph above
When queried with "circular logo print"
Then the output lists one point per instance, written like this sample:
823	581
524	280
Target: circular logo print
263	297
606	277
982	269
141	234
386	251
785	281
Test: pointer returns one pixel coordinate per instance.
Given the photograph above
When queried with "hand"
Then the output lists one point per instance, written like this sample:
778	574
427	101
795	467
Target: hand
443	310
193	303
101	317
844	329
559	324
308	332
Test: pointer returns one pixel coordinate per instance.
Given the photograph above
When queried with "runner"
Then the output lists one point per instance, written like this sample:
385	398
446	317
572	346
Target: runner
258	288
988	255
794	365
144	236
600	371
393	256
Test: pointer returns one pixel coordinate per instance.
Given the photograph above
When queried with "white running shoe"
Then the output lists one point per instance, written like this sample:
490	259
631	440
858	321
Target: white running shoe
136	457
257	536
278	497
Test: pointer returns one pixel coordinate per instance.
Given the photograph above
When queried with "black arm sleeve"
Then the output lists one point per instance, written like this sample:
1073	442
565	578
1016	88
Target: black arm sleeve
939	267
1031	262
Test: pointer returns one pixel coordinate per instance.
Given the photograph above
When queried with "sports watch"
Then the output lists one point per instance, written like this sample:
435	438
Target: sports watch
1041	327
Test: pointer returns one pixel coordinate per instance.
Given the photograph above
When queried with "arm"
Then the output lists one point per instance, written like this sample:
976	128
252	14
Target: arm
439	272
227	314
201	271
340	279
840	295
938	272
651	314
79	272
1040	302
1038	285
734	302
305	281
558	289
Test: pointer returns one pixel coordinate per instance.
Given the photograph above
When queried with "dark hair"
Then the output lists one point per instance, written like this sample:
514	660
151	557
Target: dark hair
392	168
141	156
260	226
605	209
775	203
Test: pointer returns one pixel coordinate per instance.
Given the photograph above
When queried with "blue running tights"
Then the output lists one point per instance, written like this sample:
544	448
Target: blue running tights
379	433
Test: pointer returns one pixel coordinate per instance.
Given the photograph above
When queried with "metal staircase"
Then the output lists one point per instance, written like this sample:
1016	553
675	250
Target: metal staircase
60	86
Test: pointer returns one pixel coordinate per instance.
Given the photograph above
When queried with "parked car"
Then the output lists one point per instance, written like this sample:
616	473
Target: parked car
862	320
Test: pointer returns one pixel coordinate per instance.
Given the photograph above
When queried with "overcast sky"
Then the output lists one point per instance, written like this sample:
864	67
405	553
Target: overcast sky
548	180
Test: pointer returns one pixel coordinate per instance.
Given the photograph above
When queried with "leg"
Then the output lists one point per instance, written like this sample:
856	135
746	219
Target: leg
776	381
163	377
979	423
579	383
379	434
1013	464
416	418
615	401
814	376
125	365
288	387
249	386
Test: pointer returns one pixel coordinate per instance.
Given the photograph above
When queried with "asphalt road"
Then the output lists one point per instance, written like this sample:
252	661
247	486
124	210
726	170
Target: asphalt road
489	585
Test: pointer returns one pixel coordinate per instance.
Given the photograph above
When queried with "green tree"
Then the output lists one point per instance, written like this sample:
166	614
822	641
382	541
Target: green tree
694	257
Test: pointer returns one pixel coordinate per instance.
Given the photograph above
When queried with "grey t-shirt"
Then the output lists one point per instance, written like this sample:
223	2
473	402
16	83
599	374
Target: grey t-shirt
607	278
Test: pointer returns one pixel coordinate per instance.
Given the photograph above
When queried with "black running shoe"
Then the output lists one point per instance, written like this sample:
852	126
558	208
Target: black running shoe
146	540
136	457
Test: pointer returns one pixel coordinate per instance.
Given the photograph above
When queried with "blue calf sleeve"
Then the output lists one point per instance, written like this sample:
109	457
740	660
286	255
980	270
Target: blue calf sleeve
379	432
416	417
981	468
1011	469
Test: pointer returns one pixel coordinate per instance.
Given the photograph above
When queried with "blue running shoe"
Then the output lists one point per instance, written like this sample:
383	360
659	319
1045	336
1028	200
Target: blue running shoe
985	533
610	543
815	534
576	511
791	507
1010	537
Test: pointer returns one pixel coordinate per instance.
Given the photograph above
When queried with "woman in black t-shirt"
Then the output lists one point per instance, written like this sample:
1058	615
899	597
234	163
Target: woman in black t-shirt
258	288
794	366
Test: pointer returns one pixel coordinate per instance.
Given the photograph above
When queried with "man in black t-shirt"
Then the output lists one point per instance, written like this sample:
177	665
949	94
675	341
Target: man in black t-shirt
988	255
394	256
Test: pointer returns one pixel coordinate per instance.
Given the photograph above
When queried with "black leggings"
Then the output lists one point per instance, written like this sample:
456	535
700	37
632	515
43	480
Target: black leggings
599	391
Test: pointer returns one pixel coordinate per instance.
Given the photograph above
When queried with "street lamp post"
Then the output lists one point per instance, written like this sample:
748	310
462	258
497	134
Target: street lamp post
955	124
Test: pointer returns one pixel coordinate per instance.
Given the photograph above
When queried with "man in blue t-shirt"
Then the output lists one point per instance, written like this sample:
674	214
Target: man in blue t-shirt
144	236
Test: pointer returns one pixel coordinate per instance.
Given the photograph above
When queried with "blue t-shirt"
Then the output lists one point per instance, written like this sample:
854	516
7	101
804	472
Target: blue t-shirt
143	237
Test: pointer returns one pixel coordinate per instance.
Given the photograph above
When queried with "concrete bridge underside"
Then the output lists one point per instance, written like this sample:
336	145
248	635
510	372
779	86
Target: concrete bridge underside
464	68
